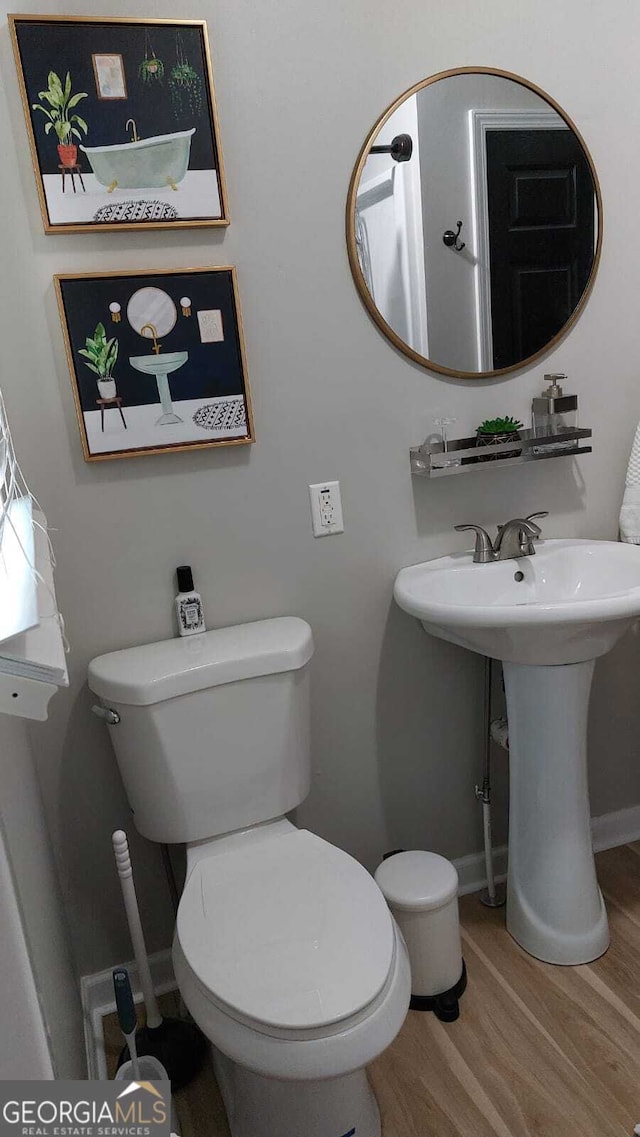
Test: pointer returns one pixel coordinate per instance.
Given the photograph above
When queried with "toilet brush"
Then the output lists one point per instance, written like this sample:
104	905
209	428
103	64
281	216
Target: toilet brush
180	1046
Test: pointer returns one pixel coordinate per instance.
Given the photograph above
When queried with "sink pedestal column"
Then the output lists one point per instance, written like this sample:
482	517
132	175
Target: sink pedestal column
555	909
168	414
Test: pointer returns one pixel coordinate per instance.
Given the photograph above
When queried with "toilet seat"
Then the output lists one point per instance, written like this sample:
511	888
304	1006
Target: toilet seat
290	936
301	1056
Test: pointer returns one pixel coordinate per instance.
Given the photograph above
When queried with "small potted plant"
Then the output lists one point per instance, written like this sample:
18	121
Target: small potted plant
494	430
102	355
60	102
151	70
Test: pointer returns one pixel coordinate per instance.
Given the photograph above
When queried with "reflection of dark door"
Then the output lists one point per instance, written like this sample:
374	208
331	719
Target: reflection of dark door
541	235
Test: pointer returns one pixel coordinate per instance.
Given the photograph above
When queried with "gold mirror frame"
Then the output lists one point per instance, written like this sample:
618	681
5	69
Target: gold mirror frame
354	262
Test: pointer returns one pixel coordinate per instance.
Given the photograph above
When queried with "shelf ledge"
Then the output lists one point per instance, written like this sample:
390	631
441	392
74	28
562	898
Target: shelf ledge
464	455
33	664
25	698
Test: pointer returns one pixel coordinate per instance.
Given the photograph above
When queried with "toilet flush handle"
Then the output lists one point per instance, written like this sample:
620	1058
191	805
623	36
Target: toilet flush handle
112	718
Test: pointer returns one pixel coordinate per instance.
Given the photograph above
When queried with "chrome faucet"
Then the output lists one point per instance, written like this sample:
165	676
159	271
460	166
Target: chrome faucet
132	122
515	539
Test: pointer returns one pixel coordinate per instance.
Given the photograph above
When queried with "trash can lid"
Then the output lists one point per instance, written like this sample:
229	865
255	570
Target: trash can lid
417	881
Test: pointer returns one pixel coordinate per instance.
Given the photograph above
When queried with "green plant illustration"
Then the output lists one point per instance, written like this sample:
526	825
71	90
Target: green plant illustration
151	70
186	86
60	102
507	425
101	353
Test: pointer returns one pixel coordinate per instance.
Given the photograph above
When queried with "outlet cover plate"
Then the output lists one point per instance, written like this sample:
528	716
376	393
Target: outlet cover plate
326	509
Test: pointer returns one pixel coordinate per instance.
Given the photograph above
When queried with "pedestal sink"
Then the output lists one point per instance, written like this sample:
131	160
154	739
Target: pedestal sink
162	366
547	617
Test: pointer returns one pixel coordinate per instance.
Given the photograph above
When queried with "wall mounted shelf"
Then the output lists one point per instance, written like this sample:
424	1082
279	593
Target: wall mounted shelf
33	664
463	455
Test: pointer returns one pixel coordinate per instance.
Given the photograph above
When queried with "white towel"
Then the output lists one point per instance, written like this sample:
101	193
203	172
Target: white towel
630	509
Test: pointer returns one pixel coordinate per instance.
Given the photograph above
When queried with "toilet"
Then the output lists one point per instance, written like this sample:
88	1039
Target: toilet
285	951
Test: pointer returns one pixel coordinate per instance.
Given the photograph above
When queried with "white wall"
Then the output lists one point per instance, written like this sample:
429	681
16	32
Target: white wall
24	1051
38	991
389	204
396	725
447	177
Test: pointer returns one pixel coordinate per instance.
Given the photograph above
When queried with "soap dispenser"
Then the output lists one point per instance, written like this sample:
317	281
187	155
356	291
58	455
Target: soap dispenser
554	413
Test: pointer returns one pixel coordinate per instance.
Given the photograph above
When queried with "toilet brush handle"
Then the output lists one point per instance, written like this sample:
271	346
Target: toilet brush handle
125	872
127	1016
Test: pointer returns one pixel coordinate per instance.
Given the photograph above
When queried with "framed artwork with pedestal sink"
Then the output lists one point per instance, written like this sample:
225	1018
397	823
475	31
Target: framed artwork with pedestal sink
121	122
157	360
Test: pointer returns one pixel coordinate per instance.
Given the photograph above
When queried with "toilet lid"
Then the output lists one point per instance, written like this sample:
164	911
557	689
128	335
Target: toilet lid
290	932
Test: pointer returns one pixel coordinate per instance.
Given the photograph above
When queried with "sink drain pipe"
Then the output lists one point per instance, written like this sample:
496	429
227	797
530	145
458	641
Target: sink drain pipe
492	896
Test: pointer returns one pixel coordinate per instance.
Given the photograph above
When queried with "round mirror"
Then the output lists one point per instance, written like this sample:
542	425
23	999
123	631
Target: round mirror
151	311
474	222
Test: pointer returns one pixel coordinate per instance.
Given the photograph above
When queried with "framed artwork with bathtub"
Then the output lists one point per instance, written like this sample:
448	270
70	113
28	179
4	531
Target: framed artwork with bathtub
157	360
121	122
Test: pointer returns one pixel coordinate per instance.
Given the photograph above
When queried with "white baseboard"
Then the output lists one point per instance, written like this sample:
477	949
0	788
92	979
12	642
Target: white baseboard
608	831
98	1000
472	874
617	828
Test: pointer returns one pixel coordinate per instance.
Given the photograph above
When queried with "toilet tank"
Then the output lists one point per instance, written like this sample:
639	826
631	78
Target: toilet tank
214	728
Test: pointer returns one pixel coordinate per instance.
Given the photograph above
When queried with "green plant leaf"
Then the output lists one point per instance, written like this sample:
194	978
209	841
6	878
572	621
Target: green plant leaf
80	122
67	86
92	368
75	99
55	92
100	332
52	95
111	356
505	425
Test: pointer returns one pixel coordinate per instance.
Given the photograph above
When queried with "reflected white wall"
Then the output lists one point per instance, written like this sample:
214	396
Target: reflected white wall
447	180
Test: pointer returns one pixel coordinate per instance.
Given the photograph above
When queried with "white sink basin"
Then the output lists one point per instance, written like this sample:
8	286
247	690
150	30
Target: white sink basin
159	364
573	600
565	605
162	366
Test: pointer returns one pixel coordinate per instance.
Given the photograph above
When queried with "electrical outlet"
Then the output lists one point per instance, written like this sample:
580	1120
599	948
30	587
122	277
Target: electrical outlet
326	509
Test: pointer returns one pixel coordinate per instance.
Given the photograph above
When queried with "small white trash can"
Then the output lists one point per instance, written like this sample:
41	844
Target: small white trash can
421	890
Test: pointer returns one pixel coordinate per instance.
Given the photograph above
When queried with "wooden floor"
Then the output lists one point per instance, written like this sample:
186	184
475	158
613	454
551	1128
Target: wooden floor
538	1051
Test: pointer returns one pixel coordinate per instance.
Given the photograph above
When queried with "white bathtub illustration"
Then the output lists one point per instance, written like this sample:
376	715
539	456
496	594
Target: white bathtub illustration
150	163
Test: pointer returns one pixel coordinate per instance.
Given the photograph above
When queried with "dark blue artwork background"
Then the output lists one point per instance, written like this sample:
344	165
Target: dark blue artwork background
62	47
212	369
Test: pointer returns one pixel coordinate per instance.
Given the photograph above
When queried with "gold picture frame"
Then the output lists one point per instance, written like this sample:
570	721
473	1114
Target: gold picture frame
148	159
195	373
